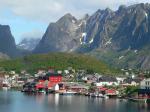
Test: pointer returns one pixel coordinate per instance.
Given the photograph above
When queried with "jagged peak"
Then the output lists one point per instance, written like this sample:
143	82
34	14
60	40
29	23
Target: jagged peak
122	7
67	18
68	15
141	5
108	10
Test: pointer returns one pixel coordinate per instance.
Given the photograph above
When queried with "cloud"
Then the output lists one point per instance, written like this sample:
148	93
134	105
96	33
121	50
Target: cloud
29	18
51	10
32	34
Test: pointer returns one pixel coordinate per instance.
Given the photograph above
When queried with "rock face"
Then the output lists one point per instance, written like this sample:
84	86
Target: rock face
7	42
62	36
28	43
105	31
128	27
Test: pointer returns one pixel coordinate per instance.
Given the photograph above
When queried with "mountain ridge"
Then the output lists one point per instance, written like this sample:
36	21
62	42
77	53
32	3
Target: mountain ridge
106	30
120	38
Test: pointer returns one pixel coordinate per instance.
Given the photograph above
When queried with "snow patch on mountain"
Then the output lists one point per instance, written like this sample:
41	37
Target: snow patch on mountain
121	57
28	43
108	42
83	38
146	15
91	41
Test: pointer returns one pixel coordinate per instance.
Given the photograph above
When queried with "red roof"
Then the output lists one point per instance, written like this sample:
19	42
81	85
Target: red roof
41	81
111	91
40	85
51	84
102	88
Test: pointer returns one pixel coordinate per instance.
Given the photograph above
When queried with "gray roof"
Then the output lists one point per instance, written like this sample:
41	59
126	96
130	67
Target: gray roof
107	79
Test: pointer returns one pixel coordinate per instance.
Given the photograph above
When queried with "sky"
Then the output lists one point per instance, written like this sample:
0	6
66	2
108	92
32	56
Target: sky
30	18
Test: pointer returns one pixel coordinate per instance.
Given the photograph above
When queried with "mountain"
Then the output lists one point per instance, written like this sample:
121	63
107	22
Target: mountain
123	38
7	42
62	36
128	27
110	35
28	43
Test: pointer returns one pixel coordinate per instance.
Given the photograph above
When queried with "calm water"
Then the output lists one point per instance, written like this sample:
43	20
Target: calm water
13	101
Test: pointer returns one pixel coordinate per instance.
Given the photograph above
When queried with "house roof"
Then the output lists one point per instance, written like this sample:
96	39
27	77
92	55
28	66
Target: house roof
53	74
107	79
130	80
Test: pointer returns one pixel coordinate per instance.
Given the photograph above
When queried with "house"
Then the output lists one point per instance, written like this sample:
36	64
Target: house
107	81
144	91
53	79
41	72
49	80
78	88
40	85
120	79
131	82
91	78
145	84
110	92
75	87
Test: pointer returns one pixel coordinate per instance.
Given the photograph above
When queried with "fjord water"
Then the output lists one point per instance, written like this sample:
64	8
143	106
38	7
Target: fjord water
14	101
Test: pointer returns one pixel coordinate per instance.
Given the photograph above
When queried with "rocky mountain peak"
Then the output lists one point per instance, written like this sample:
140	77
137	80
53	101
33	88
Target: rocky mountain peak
67	18
7	41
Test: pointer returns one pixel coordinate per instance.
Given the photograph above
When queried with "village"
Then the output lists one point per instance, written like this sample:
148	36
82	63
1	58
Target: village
79	82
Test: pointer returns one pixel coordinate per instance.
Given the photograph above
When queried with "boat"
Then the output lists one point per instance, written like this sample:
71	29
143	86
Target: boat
41	90
94	95
105	96
138	99
68	93
99	95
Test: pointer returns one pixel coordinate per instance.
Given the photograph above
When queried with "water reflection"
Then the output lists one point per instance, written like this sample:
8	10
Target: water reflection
53	99
19	102
40	98
56	99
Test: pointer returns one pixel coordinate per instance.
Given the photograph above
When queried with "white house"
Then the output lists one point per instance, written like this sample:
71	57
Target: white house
131	82
120	79
145	84
107	81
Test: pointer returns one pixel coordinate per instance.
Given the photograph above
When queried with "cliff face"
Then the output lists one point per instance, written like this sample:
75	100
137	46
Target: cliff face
7	42
128	27
62	36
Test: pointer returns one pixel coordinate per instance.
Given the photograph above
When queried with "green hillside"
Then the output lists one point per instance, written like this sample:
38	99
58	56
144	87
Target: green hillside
58	60
135	59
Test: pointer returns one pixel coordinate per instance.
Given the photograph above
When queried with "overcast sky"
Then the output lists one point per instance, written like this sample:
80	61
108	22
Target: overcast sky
30	18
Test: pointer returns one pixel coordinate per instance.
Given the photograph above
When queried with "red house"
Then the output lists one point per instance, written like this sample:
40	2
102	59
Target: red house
40	85
54	78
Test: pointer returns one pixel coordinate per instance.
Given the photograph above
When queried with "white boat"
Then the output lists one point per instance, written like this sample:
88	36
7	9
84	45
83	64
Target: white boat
68	93
94	95
138	99
105	96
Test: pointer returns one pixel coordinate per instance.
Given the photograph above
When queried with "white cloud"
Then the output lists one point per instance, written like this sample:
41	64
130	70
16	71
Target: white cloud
32	34
50	10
